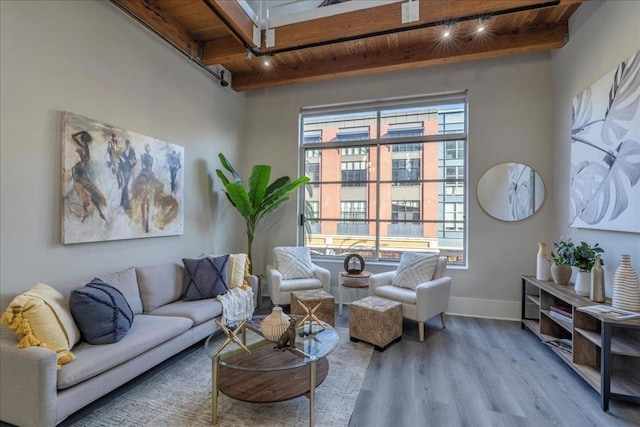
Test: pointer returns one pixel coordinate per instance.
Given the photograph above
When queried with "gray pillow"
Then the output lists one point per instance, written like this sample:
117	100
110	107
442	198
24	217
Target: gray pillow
205	277
101	312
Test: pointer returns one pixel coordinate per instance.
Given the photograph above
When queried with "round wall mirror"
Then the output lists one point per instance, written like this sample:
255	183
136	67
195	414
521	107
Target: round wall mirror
510	191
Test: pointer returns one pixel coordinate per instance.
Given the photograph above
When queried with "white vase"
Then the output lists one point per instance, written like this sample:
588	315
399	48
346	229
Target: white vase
274	325
626	290
542	263
583	283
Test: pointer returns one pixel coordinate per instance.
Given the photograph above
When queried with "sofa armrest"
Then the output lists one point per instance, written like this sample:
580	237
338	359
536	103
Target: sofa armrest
274	281
432	298
28	390
380	279
324	276
253	284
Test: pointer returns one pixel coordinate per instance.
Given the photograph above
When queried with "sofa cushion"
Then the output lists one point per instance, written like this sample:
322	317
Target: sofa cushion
198	311
159	284
126	282
294	262
146	333
205	277
300	285
415	269
41	317
101	312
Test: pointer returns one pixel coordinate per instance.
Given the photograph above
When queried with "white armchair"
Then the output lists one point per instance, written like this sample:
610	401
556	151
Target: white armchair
280	289
428	300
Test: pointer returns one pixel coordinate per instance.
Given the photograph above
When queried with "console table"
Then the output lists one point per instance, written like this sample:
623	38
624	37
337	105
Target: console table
605	352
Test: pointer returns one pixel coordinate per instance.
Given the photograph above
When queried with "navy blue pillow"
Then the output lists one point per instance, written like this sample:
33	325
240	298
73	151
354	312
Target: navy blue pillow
101	312
205	277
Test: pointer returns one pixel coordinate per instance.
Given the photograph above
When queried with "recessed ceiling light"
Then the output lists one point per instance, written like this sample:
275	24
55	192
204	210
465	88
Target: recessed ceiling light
480	28
446	33
266	62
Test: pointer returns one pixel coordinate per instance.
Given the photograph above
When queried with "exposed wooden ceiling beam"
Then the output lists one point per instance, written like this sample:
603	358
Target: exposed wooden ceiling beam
389	17
418	55
147	13
230	12
223	50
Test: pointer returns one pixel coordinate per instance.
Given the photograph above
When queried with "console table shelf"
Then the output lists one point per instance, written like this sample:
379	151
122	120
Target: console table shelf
604	352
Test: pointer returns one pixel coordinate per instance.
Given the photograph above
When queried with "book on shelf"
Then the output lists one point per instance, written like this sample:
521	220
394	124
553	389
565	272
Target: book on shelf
565	311
563	344
561	317
610	312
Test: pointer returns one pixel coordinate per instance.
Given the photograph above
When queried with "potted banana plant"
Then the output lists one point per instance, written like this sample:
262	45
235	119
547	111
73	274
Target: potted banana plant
259	198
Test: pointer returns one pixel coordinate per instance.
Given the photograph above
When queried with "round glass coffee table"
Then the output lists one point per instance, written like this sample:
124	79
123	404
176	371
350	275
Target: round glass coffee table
269	374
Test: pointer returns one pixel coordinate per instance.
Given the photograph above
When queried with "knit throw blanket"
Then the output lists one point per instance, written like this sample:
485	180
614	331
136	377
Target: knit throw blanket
237	305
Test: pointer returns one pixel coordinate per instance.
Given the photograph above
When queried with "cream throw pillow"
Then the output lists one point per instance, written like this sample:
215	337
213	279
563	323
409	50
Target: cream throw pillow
237	270
294	262
415	269
41	317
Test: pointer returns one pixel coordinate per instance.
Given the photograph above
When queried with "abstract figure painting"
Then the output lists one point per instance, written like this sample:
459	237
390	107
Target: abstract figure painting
118	184
605	152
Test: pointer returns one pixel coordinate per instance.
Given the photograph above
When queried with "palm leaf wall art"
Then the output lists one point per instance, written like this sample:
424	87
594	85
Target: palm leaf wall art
605	152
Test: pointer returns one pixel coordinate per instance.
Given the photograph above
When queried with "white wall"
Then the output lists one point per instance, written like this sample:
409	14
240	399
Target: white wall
510	120
89	58
603	34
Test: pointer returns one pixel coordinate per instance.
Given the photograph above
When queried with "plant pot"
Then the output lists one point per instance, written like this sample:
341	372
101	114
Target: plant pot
583	283
561	274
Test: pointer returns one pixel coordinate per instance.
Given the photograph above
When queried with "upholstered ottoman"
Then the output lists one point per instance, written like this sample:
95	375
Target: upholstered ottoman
326	311
375	320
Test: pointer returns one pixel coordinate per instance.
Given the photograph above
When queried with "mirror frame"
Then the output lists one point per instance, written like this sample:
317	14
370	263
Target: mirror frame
484	209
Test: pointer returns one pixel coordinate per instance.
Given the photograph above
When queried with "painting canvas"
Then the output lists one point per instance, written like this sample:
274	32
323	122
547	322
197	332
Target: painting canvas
605	152
118	184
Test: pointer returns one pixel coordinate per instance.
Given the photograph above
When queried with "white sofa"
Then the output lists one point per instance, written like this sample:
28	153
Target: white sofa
33	392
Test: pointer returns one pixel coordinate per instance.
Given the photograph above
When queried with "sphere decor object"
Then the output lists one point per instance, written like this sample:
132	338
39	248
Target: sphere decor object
354	264
597	282
274	325
542	262
626	289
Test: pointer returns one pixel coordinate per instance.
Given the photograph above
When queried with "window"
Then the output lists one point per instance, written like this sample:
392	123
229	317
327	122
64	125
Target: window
454	216
405	170
354	174
311	136
454	180
313	153
380	196
312	170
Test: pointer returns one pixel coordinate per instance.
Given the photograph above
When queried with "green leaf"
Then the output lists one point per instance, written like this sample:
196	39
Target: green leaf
240	198
227	166
223	178
258	182
278	183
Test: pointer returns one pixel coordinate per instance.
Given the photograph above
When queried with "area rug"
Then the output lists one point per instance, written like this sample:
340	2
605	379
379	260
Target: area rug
180	395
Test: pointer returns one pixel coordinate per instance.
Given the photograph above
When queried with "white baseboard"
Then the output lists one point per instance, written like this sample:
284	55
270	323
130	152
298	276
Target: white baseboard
484	308
458	306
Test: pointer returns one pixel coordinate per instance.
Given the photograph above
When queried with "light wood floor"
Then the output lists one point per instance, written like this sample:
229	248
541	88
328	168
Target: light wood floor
477	372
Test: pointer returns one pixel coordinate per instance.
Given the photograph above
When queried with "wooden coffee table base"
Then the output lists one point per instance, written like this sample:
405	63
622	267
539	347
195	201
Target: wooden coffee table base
271	386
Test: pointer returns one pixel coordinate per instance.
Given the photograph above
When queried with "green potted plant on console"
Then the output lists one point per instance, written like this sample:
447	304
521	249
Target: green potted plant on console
562	258
584	257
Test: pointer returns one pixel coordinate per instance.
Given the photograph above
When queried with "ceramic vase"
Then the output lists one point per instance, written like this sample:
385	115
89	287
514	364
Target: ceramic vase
597	282
561	274
583	283
626	290
542	262
275	324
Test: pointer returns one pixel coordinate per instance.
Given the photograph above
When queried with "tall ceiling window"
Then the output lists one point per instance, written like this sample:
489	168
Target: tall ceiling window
392	178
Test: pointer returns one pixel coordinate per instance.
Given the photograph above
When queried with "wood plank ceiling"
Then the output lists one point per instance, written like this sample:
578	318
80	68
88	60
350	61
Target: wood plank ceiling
373	40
